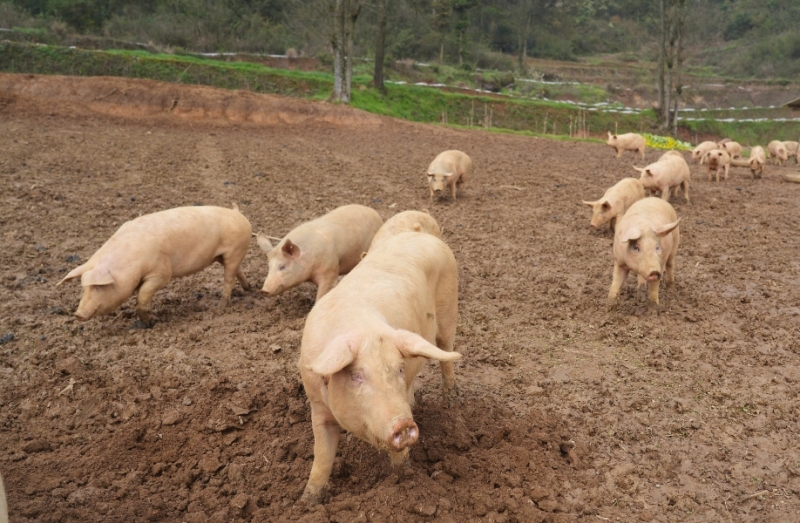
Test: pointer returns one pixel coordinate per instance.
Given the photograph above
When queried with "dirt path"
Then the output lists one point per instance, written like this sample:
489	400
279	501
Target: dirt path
567	413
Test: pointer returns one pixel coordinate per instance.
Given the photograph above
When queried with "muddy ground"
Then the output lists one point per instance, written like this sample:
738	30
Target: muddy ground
567	412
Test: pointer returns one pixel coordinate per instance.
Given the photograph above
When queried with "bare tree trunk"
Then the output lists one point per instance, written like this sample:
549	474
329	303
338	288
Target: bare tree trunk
662	55
523	30
380	45
337	42
353	10
680	21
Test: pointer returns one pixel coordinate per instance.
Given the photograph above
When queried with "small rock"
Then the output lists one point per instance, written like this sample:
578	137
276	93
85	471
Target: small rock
445	504
36	446
239	501
70	366
73	258
539	493
210	464
548	505
426	509
171	418
533	390
6	338
187	401
377	200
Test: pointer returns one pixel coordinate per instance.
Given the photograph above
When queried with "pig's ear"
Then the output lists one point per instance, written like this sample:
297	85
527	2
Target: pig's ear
609	134
410	344
97	276
590	204
263	242
606	206
74	273
447	174
630	235
338	354
290	249
640	169
668	228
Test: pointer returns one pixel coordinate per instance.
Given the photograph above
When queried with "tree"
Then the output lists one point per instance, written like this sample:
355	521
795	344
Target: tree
344	14
670	59
380	46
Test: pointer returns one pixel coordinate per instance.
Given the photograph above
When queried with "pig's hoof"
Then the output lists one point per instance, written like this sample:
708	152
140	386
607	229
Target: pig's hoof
611	306
141	324
312	496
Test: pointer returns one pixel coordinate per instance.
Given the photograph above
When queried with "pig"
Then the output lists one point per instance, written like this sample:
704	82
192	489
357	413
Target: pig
407	221
734	149
757	161
365	341
791	150
449	169
702	149
645	242
616	200
717	160
778	151
319	250
145	253
626	142
668	172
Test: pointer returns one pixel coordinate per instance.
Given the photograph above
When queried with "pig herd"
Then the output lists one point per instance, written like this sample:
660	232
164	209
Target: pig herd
366	337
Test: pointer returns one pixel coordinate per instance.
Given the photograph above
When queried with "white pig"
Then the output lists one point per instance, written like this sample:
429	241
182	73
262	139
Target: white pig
702	149
406	221
778	151
791	150
145	253
449	169
669	171
757	161
320	250
365	341
645	242
616	200
3	503
734	149
626	142
717	160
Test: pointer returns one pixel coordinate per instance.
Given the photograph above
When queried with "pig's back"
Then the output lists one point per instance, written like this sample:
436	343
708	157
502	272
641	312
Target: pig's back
453	161
406	221
347	231
654	210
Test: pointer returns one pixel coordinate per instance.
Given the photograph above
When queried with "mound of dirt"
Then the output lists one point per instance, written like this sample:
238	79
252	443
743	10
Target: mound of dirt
139	98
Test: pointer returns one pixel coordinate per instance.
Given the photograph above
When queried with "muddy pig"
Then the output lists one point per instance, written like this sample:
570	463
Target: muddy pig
365	341
669	171
145	253
702	149
717	160
616	200
406	221
645	242
778	151
320	250
449	169
734	149
626	142
791	150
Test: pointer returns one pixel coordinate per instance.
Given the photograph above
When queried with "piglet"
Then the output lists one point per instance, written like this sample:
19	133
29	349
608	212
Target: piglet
145	253
758	159
449	169
702	149
791	149
645	242
616	200
626	142
366	340
406	221
778	151
670	171
717	160
734	149
320	250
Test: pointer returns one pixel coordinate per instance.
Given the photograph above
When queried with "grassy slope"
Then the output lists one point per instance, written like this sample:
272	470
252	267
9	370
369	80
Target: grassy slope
421	104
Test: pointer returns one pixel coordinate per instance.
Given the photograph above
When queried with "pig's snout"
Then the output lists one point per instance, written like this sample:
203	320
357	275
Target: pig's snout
654	276
81	316
265	292
404	434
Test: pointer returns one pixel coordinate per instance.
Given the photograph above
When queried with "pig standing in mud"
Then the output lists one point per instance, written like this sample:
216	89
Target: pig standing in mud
734	149
406	221
365	341
616	200
757	161
645	242
147	252
626	142
777	151
791	150
702	149
449	169
717	160
671	170
320	250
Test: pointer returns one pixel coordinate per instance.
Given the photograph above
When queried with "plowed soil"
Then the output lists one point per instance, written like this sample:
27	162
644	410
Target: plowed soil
567	412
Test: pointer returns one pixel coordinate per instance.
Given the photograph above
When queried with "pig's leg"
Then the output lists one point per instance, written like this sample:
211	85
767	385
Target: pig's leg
242	279
642	151
670	272
453	191
665	193
685	189
431	196
326	439
620	273
652	296
727	168
325	283
146	291
619	153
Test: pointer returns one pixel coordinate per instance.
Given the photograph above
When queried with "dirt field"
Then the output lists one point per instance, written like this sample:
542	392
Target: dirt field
567	412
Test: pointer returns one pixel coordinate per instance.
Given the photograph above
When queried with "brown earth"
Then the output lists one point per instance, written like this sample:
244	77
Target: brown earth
567	412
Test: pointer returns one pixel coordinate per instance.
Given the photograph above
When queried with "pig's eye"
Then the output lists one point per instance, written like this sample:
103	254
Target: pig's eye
635	247
658	247
402	370
282	267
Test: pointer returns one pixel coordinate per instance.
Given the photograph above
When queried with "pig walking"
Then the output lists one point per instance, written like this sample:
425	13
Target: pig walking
449	169
702	149
626	142
791	149
717	160
670	171
365	341
734	149
645	242
777	151
406	221
320	250
757	161
616	200
147	252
